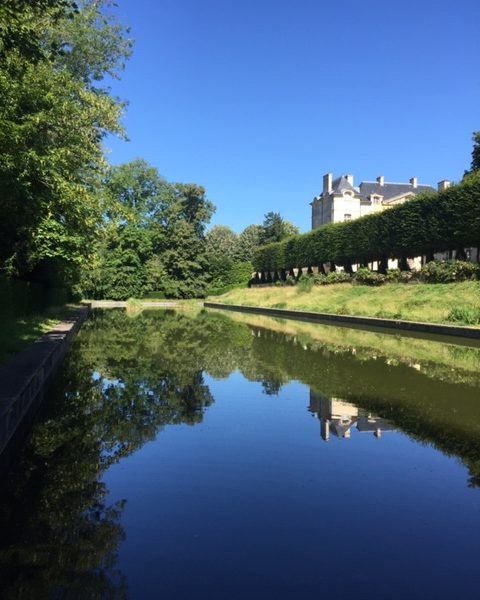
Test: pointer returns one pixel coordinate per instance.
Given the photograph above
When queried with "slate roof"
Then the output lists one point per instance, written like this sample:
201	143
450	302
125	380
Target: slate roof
341	184
391	190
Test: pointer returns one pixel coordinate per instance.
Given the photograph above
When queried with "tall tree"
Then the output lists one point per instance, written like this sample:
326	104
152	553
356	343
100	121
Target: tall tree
50	171
222	242
275	229
248	241
475	166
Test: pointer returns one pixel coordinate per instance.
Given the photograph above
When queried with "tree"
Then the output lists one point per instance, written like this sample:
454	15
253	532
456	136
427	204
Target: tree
152	237
475	166
275	229
51	171
221	242
248	242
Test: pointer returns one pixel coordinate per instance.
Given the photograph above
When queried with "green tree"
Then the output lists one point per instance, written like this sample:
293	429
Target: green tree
248	242
50	171
222	242
475	165
275	229
152	237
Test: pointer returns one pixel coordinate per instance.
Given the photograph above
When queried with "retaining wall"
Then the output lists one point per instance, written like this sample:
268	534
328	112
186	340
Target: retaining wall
393	325
23	380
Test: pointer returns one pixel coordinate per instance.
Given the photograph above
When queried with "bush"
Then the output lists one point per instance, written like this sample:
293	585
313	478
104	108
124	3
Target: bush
305	283
449	271
290	280
367	277
333	277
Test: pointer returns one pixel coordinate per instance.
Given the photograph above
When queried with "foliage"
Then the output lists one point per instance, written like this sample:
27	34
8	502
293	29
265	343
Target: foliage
449	271
432	222
275	229
50	171
305	284
475	164
248	242
152	238
367	277
227	274
221	242
331	278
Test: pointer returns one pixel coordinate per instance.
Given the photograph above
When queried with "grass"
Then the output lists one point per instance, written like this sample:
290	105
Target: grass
442	360
448	303
17	333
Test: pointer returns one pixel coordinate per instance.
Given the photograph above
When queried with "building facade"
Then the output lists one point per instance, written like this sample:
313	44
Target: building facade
341	201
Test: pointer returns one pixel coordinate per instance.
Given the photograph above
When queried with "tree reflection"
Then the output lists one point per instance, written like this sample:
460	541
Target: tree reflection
127	378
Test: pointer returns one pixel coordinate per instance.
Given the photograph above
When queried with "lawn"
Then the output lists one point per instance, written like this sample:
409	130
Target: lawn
457	303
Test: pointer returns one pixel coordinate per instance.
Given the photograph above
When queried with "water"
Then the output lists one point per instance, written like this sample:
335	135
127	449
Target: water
236	456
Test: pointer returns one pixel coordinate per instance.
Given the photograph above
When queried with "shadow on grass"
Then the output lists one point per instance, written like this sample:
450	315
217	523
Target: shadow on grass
17	333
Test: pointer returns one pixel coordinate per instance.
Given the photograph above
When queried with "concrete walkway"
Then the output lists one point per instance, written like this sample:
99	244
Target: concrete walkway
23	379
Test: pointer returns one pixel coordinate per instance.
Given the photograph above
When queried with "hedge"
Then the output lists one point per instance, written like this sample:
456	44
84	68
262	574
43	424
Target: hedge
431	222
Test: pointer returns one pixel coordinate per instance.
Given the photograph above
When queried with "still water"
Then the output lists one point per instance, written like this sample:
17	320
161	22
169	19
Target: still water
207	455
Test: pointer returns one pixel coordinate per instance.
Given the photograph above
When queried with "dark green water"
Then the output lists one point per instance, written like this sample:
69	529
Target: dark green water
222	457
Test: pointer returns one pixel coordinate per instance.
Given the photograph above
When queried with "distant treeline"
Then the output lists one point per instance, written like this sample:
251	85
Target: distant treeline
432	222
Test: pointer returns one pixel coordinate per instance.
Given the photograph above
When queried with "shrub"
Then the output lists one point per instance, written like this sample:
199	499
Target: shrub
290	280
449	271
367	277
334	277
305	283
338	277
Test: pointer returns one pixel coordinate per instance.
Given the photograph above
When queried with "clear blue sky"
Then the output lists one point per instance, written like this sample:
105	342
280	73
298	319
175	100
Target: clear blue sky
257	99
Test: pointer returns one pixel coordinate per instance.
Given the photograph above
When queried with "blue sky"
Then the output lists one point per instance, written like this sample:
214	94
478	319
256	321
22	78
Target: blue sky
256	100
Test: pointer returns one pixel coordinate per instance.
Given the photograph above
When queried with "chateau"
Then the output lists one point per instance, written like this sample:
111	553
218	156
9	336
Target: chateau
342	201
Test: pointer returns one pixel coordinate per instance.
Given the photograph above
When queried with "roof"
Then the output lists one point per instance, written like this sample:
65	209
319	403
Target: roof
341	184
391	190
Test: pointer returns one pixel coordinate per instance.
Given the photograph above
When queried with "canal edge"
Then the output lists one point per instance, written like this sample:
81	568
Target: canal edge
371	323
23	380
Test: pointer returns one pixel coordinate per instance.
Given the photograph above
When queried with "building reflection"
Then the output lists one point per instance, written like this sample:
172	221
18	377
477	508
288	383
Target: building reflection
338	417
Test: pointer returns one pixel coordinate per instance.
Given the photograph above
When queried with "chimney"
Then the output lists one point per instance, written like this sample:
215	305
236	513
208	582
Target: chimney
381	180
349	178
443	185
327	183
414	182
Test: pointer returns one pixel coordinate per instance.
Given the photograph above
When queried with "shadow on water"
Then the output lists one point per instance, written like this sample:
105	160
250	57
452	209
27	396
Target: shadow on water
126	378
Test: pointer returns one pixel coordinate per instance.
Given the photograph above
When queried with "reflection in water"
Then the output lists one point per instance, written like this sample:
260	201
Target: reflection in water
337	417
127	378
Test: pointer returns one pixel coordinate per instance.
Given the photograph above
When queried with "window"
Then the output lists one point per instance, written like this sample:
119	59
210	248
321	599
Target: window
347	217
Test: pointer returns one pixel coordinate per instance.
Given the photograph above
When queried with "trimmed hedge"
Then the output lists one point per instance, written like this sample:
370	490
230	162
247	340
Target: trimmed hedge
431	222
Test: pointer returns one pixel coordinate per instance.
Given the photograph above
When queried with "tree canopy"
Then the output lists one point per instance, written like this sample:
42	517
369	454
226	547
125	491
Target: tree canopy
53	58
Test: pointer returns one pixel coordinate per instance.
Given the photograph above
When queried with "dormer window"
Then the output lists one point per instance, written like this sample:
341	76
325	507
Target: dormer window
376	199
348	193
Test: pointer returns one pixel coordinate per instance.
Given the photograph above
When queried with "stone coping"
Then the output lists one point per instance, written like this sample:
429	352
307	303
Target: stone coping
124	304
373	323
24	376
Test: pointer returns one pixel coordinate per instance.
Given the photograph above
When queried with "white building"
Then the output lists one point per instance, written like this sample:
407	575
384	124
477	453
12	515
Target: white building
341	201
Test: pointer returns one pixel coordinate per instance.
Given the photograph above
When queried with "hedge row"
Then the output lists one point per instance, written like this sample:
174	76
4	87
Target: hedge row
431	222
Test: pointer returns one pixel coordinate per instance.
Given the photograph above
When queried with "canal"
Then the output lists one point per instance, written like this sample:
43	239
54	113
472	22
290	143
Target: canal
209	455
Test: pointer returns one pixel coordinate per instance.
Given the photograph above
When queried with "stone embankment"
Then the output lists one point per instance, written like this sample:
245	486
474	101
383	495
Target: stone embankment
124	304
23	380
394	325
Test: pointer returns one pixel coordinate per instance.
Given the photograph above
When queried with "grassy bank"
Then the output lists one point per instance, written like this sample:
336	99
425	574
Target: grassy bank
18	332
457	303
